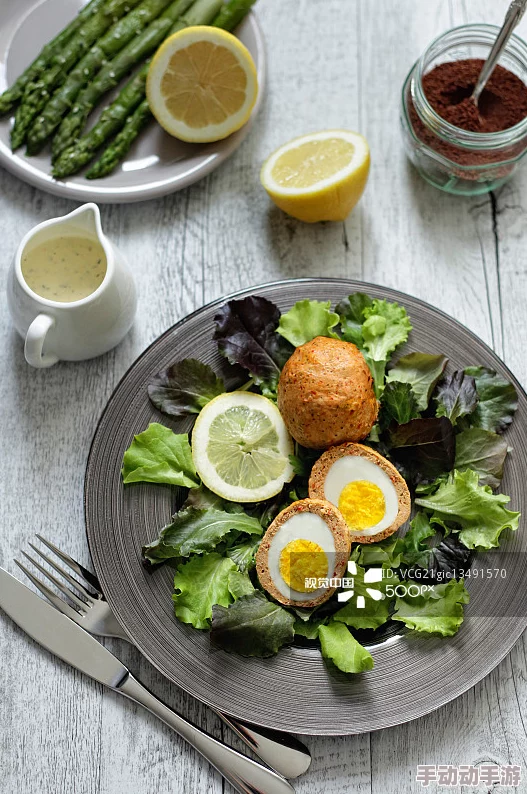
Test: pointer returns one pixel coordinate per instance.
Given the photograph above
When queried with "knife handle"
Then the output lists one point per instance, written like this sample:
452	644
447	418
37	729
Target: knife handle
245	775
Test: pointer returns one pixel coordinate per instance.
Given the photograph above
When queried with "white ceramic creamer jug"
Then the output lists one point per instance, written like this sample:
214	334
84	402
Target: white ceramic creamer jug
68	328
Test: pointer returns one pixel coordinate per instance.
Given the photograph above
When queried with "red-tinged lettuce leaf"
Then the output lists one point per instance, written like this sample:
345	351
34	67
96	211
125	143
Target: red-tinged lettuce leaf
252	626
246	335
482	451
184	388
498	400
456	396
424	447
421	371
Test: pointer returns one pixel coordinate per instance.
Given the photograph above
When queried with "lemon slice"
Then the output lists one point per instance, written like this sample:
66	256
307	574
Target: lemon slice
318	177
241	447
202	84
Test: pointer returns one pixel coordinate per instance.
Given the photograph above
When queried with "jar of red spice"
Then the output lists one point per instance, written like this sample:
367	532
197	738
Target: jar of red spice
454	145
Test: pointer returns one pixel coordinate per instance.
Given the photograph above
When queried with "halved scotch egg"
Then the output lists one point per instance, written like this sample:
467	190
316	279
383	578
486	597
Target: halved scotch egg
367	489
307	544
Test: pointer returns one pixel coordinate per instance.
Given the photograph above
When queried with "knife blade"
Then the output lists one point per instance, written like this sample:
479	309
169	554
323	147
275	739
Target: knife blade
58	633
71	643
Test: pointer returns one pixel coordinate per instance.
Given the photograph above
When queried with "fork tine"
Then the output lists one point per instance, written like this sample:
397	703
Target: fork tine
58	584
63	573
79	569
56	600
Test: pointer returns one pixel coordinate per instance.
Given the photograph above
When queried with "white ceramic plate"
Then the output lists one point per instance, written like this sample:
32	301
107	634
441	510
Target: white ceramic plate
156	165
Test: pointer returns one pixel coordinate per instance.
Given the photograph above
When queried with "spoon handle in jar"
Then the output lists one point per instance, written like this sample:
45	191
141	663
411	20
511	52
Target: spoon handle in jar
513	16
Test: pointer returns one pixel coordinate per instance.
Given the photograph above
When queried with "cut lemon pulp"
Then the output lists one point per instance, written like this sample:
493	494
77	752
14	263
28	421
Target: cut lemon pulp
202	84
241	447
318	177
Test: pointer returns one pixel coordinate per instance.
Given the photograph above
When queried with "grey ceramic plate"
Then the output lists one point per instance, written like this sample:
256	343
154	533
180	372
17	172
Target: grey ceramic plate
156	165
295	691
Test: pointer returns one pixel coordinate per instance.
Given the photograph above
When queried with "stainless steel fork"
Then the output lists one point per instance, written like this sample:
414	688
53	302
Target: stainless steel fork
282	752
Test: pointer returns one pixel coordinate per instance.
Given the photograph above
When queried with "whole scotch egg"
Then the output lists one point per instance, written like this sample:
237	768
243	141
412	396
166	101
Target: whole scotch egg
307	542
367	489
325	394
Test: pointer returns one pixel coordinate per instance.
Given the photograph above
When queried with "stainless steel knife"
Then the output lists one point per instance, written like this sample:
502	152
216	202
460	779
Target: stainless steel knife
72	644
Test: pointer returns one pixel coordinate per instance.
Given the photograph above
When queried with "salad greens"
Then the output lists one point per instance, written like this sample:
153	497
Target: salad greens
456	396
498	400
252	626
438	610
421	371
441	429
196	530
306	320
461	504
184	388
159	455
338	644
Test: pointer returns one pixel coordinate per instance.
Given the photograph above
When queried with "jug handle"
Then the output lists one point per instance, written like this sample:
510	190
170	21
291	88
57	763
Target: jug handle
35	337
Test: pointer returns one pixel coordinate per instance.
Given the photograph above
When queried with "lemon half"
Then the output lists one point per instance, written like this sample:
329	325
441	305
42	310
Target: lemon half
202	84
320	176
241	447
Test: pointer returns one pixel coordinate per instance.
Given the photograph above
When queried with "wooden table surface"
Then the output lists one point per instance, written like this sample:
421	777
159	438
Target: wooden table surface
332	63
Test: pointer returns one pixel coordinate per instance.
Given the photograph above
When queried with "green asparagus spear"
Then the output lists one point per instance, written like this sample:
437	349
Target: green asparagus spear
131	100
232	14
107	47
14	93
110	75
36	95
120	147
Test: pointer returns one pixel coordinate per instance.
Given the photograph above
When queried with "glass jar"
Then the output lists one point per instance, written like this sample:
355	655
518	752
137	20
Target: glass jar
452	159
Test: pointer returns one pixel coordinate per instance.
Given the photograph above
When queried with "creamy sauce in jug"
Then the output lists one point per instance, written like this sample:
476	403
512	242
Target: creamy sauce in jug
65	269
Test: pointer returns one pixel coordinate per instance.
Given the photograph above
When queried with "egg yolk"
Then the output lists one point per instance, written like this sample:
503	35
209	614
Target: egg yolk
301	560
362	504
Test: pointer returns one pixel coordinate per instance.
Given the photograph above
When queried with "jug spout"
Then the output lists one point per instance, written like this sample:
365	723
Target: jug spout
87	219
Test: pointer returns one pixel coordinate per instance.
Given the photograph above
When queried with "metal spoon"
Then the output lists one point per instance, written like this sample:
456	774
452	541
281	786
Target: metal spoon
512	18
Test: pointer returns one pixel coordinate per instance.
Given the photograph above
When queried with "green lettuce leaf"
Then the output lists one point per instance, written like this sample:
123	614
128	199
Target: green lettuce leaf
339	645
482	451
415	550
398	404
243	554
308	628
456	396
375	612
252	626
202	582
239	584
386	326
184	388
159	455
421	371
498	400
196	530
479	513
437	611
385	553
306	320
351	313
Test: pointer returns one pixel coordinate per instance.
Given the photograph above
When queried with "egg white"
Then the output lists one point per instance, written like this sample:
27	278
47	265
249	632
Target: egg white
302	526
350	468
